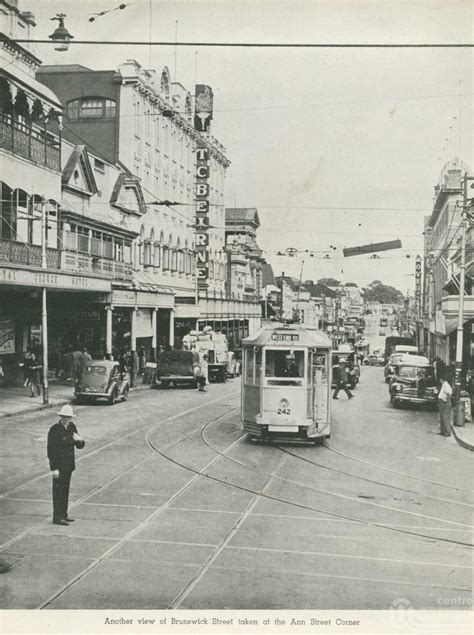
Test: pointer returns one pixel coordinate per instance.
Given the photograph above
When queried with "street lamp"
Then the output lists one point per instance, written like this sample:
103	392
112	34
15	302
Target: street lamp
61	36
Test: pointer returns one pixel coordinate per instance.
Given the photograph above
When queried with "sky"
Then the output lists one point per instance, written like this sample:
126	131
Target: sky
335	147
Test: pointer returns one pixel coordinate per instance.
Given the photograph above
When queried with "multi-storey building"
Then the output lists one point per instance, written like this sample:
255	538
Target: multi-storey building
245	256
441	262
143	121
64	219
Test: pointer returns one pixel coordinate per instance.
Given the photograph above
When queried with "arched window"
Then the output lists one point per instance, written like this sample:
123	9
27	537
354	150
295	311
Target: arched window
147	250
141	245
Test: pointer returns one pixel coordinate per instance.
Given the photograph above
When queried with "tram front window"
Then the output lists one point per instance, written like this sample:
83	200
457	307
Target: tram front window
282	366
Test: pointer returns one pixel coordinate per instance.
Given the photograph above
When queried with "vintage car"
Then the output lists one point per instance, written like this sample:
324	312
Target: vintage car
413	382
103	379
373	360
389	370
177	368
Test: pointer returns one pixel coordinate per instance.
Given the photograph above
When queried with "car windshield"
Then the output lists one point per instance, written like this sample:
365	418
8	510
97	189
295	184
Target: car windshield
95	370
415	372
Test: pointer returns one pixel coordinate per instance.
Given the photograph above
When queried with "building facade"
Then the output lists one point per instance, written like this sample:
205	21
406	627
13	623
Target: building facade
142	121
441	267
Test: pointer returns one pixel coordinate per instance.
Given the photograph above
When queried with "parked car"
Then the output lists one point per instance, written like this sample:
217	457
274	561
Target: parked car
373	360
177	368
103	379
413	382
389	369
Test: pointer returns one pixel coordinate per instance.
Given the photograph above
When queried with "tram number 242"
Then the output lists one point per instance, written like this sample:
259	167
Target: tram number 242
283	411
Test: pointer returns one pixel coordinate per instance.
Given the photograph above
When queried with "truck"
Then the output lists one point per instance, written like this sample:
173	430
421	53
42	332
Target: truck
214	346
177	368
393	340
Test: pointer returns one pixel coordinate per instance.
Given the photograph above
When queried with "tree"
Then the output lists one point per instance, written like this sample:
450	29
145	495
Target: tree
329	282
377	291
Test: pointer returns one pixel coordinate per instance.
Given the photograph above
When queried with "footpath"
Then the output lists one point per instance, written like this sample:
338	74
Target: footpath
17	401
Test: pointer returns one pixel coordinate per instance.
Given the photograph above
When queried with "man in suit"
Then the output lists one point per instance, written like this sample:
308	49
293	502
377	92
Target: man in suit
62	439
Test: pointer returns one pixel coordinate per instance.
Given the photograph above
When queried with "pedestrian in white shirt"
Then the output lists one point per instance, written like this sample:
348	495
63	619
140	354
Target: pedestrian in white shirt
444	404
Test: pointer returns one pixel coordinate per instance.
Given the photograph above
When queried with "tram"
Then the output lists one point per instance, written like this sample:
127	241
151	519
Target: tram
286	384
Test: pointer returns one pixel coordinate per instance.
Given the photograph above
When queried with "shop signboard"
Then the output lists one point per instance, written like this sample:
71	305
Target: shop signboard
7	337
52	280
143	323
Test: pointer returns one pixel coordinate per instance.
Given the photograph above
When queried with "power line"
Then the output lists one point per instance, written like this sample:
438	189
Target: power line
313	105
271	45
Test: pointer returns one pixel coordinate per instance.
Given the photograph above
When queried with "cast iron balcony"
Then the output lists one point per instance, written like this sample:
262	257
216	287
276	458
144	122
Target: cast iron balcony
31	143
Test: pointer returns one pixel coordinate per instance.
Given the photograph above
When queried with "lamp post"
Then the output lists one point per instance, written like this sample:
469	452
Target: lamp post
458	415
44	305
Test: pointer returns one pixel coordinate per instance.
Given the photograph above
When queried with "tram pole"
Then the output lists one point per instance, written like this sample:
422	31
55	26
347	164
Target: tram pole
458	414
44	304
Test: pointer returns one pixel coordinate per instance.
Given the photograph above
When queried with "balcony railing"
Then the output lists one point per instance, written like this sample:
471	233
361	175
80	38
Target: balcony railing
18	253
86	263
31	143
13	252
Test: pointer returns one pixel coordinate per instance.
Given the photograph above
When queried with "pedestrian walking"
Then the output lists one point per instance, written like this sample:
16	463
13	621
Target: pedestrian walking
31	370
84	359
444	406
76	365
341	381
202	376
62	439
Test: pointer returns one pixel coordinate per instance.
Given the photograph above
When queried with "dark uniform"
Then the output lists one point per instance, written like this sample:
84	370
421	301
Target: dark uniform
61	457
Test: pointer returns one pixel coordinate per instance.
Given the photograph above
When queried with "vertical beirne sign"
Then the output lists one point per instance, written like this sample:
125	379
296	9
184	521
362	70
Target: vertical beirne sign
418	287
202	121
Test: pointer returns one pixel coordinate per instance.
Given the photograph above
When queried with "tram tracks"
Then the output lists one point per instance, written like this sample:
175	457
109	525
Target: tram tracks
317	490
358	459
258	493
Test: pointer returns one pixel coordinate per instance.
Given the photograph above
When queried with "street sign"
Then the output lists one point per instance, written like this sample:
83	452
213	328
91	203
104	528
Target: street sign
368	249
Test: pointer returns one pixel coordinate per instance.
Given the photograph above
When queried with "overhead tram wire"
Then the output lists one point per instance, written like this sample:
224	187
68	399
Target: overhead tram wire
262	45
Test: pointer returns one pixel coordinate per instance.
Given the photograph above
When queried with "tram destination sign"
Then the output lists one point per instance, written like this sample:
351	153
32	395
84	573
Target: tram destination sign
285	337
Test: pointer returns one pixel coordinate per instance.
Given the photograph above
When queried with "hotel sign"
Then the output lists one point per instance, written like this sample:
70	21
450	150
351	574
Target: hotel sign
202	214
52	280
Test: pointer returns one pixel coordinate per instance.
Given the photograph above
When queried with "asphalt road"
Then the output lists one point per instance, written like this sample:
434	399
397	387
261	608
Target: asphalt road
176	509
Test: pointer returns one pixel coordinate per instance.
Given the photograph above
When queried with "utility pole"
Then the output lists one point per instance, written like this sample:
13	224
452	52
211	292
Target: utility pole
458	415
281	297
44	303
431	352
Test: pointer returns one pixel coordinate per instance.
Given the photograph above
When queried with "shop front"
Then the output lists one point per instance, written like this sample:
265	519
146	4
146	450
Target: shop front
72	309
141	321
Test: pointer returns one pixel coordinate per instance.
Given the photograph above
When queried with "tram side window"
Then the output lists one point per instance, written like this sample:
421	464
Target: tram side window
249	368
258	366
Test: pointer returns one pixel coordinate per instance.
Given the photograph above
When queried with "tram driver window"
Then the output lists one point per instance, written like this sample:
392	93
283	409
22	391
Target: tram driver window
284	364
